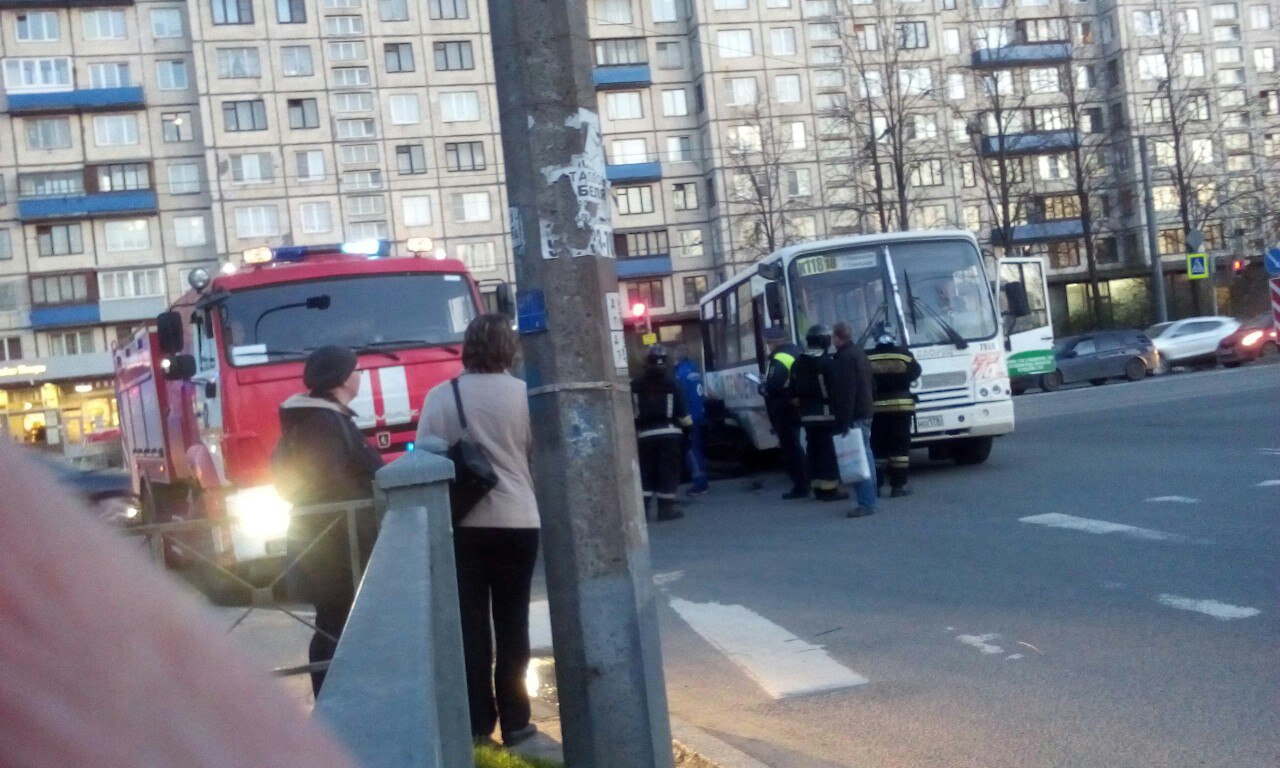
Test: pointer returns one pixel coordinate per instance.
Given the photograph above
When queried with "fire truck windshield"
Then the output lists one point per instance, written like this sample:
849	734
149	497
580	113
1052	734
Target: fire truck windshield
387	312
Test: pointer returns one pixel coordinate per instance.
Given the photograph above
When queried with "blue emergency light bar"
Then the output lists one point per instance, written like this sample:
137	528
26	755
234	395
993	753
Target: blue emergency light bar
374	249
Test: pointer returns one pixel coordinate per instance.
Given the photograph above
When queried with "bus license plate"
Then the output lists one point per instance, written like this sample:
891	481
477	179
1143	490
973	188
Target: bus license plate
277	546
926	423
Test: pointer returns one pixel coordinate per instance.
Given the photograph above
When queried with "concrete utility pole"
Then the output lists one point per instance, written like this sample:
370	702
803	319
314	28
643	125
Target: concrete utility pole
613	702
1159	305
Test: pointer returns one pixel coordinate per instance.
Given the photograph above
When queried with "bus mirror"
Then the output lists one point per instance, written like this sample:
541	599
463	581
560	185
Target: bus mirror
179	367
769	270
505	299
1016	295
773	301
169	332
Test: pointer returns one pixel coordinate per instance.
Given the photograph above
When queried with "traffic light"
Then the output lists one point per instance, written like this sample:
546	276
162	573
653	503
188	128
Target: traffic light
640	311
1238	265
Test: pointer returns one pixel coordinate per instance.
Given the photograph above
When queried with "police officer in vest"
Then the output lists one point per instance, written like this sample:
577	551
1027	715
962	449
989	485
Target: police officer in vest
895	369
826	409
661	418
779	403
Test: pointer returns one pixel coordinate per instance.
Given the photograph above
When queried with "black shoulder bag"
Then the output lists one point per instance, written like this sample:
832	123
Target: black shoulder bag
474	475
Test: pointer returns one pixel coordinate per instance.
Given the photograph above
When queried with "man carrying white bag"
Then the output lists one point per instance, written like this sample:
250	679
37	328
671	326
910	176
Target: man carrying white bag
853	448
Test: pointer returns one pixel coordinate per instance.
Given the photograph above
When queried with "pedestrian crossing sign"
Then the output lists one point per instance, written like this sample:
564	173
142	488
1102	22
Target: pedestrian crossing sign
649	339
1197	266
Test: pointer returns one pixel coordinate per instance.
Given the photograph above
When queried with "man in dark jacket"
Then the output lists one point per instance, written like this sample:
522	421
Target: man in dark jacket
661	418
826	407
895	370
856	369
779	404
322	458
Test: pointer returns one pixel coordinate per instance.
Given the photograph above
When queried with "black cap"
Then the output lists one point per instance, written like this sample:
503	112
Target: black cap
657	356
818	337
327	368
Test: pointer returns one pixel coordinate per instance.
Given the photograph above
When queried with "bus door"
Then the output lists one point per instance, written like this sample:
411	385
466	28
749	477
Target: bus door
1030	338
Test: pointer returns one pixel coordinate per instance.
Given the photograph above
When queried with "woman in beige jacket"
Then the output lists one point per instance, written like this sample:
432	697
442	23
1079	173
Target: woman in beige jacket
496	545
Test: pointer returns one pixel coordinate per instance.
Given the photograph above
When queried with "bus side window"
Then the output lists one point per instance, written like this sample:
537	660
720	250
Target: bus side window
711	337
729	331
757	330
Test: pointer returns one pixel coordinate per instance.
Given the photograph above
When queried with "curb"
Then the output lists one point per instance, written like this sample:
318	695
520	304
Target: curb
696	748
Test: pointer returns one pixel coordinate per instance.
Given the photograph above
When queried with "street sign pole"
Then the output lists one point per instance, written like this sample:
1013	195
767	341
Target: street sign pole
1159	304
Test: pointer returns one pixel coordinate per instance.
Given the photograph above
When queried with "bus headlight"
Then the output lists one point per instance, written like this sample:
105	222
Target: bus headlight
260	512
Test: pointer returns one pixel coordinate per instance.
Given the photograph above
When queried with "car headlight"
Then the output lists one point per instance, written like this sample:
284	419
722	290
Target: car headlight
1251	338
260	512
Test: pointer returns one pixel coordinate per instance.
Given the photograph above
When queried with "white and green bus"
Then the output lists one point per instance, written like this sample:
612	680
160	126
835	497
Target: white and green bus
931	289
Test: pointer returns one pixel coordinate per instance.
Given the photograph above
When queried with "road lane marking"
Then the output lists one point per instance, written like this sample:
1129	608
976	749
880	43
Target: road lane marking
1269	483
1174	499
981	642
1073	523
781	663
539	625
1217	610
670	577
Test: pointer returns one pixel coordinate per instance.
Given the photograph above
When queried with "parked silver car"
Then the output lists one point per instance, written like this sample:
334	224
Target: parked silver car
1192	341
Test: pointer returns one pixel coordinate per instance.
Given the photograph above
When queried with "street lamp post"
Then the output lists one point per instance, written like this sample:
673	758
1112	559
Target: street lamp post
1158	301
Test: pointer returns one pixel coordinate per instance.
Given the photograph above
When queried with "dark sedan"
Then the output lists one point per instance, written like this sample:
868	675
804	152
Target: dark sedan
1254	340
107	492
1101	356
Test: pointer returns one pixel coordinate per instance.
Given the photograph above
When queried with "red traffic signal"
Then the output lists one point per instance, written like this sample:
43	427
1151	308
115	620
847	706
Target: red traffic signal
639	309
1238	265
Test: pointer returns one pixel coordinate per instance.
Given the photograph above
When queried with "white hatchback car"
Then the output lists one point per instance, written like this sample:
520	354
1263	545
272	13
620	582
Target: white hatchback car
1192	340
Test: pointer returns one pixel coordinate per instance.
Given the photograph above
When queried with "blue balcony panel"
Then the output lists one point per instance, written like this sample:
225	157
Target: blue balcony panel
80	206
58	317
626	76
1022	55
82	100
1042	232
633	172
1031	143
647	266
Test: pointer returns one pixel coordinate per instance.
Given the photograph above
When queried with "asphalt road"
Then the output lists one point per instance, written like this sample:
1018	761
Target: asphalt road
1132	622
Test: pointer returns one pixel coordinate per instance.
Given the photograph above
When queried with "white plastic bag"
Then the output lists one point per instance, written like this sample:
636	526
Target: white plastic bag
851	454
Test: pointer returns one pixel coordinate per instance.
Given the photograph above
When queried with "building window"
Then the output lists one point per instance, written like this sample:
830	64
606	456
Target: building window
675	102
239	62
1043	80
257	221
911	34
951	41
416	210
734	43
1064	255
633	200
447	9
128	235
349	77
290	11
37	27
356	129
679	149
351	102
104	25
49	133
304	113
459	107
695	287
628	151
782	41
664	11
309	164
624	50
613	11
112	74
623	105
926	173
670	55
51	184
358	180
172	75
650	242
411	159
166	23
184	178
393	10
685	196
117	177
51	290
479	257
115	130
295	61
359	154
59	240
232	11
189	231
132	283
405	109
244	115
464	156
176	127
317	218
398	57
6	249
348	50
1264	59
37	74
10	347
339	26
740	91
690	242
454	55
1057	207
786	89
255	168
471	207
64	343
648	292
366	205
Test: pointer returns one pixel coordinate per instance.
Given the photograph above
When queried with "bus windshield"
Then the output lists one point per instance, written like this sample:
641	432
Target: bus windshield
849	285
375	312
943	290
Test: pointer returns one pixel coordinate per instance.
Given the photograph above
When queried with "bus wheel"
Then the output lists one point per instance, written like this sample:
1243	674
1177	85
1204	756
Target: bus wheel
971	450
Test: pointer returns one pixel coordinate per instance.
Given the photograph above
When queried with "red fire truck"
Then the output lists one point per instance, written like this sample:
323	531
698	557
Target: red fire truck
199	392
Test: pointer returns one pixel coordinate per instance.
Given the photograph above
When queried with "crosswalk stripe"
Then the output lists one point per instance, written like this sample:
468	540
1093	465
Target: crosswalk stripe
1087	525
784	665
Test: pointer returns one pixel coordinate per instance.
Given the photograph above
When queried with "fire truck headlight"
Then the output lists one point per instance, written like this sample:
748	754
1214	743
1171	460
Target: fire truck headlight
260	512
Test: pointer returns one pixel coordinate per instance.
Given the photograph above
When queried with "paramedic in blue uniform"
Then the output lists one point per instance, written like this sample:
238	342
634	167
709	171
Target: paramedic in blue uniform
690	379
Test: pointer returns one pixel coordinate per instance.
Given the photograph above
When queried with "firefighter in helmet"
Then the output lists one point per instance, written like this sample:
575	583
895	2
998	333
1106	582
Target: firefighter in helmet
895	369
826	407
661	419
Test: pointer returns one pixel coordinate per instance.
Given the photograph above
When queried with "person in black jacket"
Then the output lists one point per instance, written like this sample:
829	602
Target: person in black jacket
779	404
322	458
895	370
856	369
826	409
661	418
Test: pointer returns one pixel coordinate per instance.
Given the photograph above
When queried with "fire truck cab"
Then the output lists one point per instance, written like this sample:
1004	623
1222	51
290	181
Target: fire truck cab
200	392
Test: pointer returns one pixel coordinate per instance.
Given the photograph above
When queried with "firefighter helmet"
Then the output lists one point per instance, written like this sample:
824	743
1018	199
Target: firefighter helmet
657	356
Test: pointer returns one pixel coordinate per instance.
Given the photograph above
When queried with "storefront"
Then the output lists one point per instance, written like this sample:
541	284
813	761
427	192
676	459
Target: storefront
64	405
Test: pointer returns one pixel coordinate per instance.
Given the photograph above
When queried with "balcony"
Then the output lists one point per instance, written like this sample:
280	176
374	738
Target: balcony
54	4
80	100
1031	143
1025	54
1042	232
646	266
625	76
92	204
624	173
64	316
